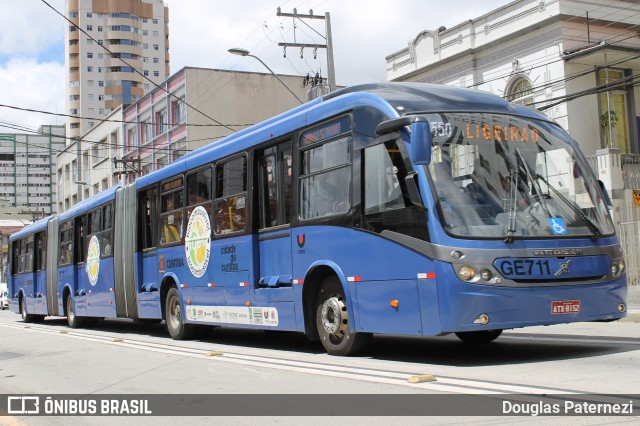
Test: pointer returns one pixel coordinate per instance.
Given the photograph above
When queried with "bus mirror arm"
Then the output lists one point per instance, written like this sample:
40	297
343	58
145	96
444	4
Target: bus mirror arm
411	180
607	200
420	135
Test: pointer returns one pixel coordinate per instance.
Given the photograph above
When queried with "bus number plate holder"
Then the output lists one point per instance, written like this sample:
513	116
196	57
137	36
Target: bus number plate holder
565	307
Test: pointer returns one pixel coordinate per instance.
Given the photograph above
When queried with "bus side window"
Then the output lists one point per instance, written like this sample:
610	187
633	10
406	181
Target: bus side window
384	173
199	191
66	243
41	251
106	230
171	203
147	220
230	206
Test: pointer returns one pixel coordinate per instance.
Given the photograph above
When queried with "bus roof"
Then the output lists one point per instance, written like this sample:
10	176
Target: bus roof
389	98
89	203
425	97
32	228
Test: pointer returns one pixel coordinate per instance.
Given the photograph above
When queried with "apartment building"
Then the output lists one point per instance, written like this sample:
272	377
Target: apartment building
28	170
116	51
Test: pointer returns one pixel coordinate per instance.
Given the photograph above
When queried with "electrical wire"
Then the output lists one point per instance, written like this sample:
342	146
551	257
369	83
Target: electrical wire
135	70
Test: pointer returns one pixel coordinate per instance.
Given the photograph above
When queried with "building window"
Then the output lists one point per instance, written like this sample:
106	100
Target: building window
89	68
156	47
156	73
156	60
161	122
100	28
520	91
89	55
155	20
89	27
177	111
613	112
155	34
89	14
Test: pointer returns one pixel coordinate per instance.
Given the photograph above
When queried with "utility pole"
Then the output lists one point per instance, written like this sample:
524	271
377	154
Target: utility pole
331	75
129	165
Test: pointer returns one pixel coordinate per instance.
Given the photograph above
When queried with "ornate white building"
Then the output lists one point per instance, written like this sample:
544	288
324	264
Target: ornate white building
577	60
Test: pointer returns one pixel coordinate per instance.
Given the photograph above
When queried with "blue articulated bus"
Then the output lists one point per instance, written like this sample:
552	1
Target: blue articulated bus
394	208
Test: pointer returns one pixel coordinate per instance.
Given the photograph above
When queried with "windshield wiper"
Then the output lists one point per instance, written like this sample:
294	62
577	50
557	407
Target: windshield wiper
540	198
513	203
592	226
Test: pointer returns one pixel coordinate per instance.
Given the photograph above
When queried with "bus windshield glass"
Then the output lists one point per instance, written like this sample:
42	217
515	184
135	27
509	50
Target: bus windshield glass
501	176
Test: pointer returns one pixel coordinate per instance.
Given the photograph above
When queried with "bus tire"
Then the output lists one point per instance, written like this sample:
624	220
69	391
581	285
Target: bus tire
23	311
176	326
479	337
332	321
73	320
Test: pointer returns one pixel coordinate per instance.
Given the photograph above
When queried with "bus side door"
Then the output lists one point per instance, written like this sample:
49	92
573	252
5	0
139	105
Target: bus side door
80	276
147	262
40	275
274	196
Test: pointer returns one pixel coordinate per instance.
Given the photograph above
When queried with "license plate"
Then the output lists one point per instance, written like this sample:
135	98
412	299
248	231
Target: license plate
565	307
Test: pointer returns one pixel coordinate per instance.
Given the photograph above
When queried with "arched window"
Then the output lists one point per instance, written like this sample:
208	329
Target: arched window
520	91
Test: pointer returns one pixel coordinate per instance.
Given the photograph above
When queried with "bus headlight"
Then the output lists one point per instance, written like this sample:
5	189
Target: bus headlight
617	267
467	272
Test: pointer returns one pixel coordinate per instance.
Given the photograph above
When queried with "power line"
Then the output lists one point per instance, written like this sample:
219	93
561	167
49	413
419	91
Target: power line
171	124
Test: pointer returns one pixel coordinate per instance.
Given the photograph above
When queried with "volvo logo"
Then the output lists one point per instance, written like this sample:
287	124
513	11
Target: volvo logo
564	267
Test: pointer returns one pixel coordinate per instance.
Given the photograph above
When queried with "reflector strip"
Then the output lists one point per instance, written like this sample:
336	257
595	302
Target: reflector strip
356	279
183	285
244	284
427	276
110	288
211	285
298	281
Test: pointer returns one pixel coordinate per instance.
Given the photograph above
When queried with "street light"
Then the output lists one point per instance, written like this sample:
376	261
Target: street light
244	52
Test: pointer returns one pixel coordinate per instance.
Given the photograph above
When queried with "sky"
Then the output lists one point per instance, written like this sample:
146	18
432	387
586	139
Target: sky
364	32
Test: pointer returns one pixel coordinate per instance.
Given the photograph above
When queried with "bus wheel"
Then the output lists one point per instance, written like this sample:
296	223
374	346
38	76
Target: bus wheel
23	311
332	321
479	337
72	319
175	317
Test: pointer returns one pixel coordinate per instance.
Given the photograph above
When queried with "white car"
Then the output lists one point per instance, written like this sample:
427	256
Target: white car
4	300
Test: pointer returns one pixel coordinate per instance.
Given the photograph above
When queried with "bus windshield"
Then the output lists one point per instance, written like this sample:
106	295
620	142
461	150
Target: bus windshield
501	176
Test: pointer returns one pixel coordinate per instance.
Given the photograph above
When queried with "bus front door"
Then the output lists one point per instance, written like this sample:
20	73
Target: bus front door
275	288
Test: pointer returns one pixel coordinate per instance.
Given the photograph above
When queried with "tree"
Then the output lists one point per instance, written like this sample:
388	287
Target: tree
608	122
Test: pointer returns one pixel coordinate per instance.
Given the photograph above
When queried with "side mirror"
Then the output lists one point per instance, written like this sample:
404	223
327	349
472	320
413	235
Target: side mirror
421	141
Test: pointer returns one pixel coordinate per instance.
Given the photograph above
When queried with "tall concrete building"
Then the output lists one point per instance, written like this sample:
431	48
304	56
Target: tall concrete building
115	51
28	171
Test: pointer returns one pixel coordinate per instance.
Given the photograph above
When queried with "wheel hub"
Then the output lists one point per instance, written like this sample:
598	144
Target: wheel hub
332	316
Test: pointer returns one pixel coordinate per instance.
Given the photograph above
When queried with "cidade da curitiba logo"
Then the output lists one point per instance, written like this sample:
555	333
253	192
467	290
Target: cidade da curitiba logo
93	260
197	245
